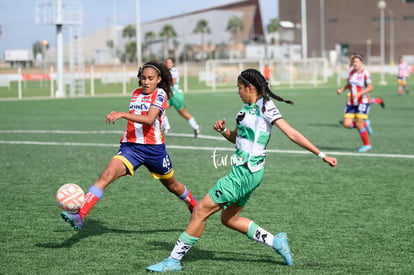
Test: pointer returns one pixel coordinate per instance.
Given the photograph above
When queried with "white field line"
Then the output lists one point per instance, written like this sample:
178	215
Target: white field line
169	146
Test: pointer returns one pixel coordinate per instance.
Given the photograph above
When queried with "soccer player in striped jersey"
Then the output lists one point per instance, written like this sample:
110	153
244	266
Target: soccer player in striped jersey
402	77
141	144
232	192
373	100
357	107
177	100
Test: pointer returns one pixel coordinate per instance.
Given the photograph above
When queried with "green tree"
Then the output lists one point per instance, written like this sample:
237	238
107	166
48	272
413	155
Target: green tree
37	47
110	43
131	51
235	26
149	39
202	28
167	32
273	27
129	32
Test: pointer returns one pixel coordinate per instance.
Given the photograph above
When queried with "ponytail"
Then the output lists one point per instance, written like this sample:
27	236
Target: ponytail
255	78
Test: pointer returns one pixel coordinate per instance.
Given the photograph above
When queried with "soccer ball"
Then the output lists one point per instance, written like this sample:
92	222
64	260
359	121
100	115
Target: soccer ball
70	197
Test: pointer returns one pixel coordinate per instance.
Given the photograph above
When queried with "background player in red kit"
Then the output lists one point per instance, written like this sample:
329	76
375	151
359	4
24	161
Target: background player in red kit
373	100
402	76
356	112
141	144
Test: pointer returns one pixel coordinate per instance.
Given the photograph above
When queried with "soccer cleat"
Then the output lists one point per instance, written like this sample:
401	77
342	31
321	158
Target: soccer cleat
168	264
382	103
74	219
197	132
368	127
280	245
365	148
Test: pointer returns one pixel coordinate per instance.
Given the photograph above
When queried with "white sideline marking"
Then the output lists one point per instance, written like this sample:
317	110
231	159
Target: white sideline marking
200	148
58	132
98	132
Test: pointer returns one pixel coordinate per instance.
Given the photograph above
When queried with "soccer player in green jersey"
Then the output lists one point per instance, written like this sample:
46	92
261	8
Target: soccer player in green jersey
177	100
232	192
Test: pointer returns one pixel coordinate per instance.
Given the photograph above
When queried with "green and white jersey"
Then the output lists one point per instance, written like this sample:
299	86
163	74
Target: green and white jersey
254	128
175	74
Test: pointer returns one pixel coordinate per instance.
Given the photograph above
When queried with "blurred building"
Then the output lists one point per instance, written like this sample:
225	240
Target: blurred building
219	40
107	45
355	24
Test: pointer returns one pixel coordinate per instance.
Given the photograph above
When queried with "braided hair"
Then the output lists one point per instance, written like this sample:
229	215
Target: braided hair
163	72
255	78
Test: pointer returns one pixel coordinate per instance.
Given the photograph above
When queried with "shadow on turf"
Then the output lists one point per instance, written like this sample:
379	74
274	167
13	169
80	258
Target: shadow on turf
93	228
198	254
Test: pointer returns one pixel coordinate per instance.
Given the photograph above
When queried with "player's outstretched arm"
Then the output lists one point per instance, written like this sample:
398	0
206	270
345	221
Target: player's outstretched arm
302	141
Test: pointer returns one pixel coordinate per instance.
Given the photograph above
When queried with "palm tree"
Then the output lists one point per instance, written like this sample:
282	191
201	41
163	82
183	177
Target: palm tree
129	32
149	39
37	48
235	26
203	28
131	50
167	32
273	27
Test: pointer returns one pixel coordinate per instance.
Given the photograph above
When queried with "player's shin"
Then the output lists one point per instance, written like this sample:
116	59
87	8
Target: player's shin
91	198
259	234
189	199
183	245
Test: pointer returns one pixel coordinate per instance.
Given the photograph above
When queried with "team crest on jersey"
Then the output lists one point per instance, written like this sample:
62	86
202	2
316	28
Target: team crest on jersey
146	98
160	97
253	110
240	116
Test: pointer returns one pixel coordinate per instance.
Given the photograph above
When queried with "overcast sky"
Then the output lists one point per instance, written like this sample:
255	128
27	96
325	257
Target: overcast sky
19	30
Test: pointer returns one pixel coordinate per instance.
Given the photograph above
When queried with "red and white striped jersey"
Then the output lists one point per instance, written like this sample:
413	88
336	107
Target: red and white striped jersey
403	70
140	104
358	81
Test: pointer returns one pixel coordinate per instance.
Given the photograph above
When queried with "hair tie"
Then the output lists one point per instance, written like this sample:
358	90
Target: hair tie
359	56
151	66
245	80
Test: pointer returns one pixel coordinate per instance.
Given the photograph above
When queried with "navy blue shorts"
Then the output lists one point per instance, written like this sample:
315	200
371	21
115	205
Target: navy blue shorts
358	111
154	157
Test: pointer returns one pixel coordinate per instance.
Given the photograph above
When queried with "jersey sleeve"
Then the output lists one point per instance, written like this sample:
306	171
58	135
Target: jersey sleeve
368	79
174	73
272	113
160	100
